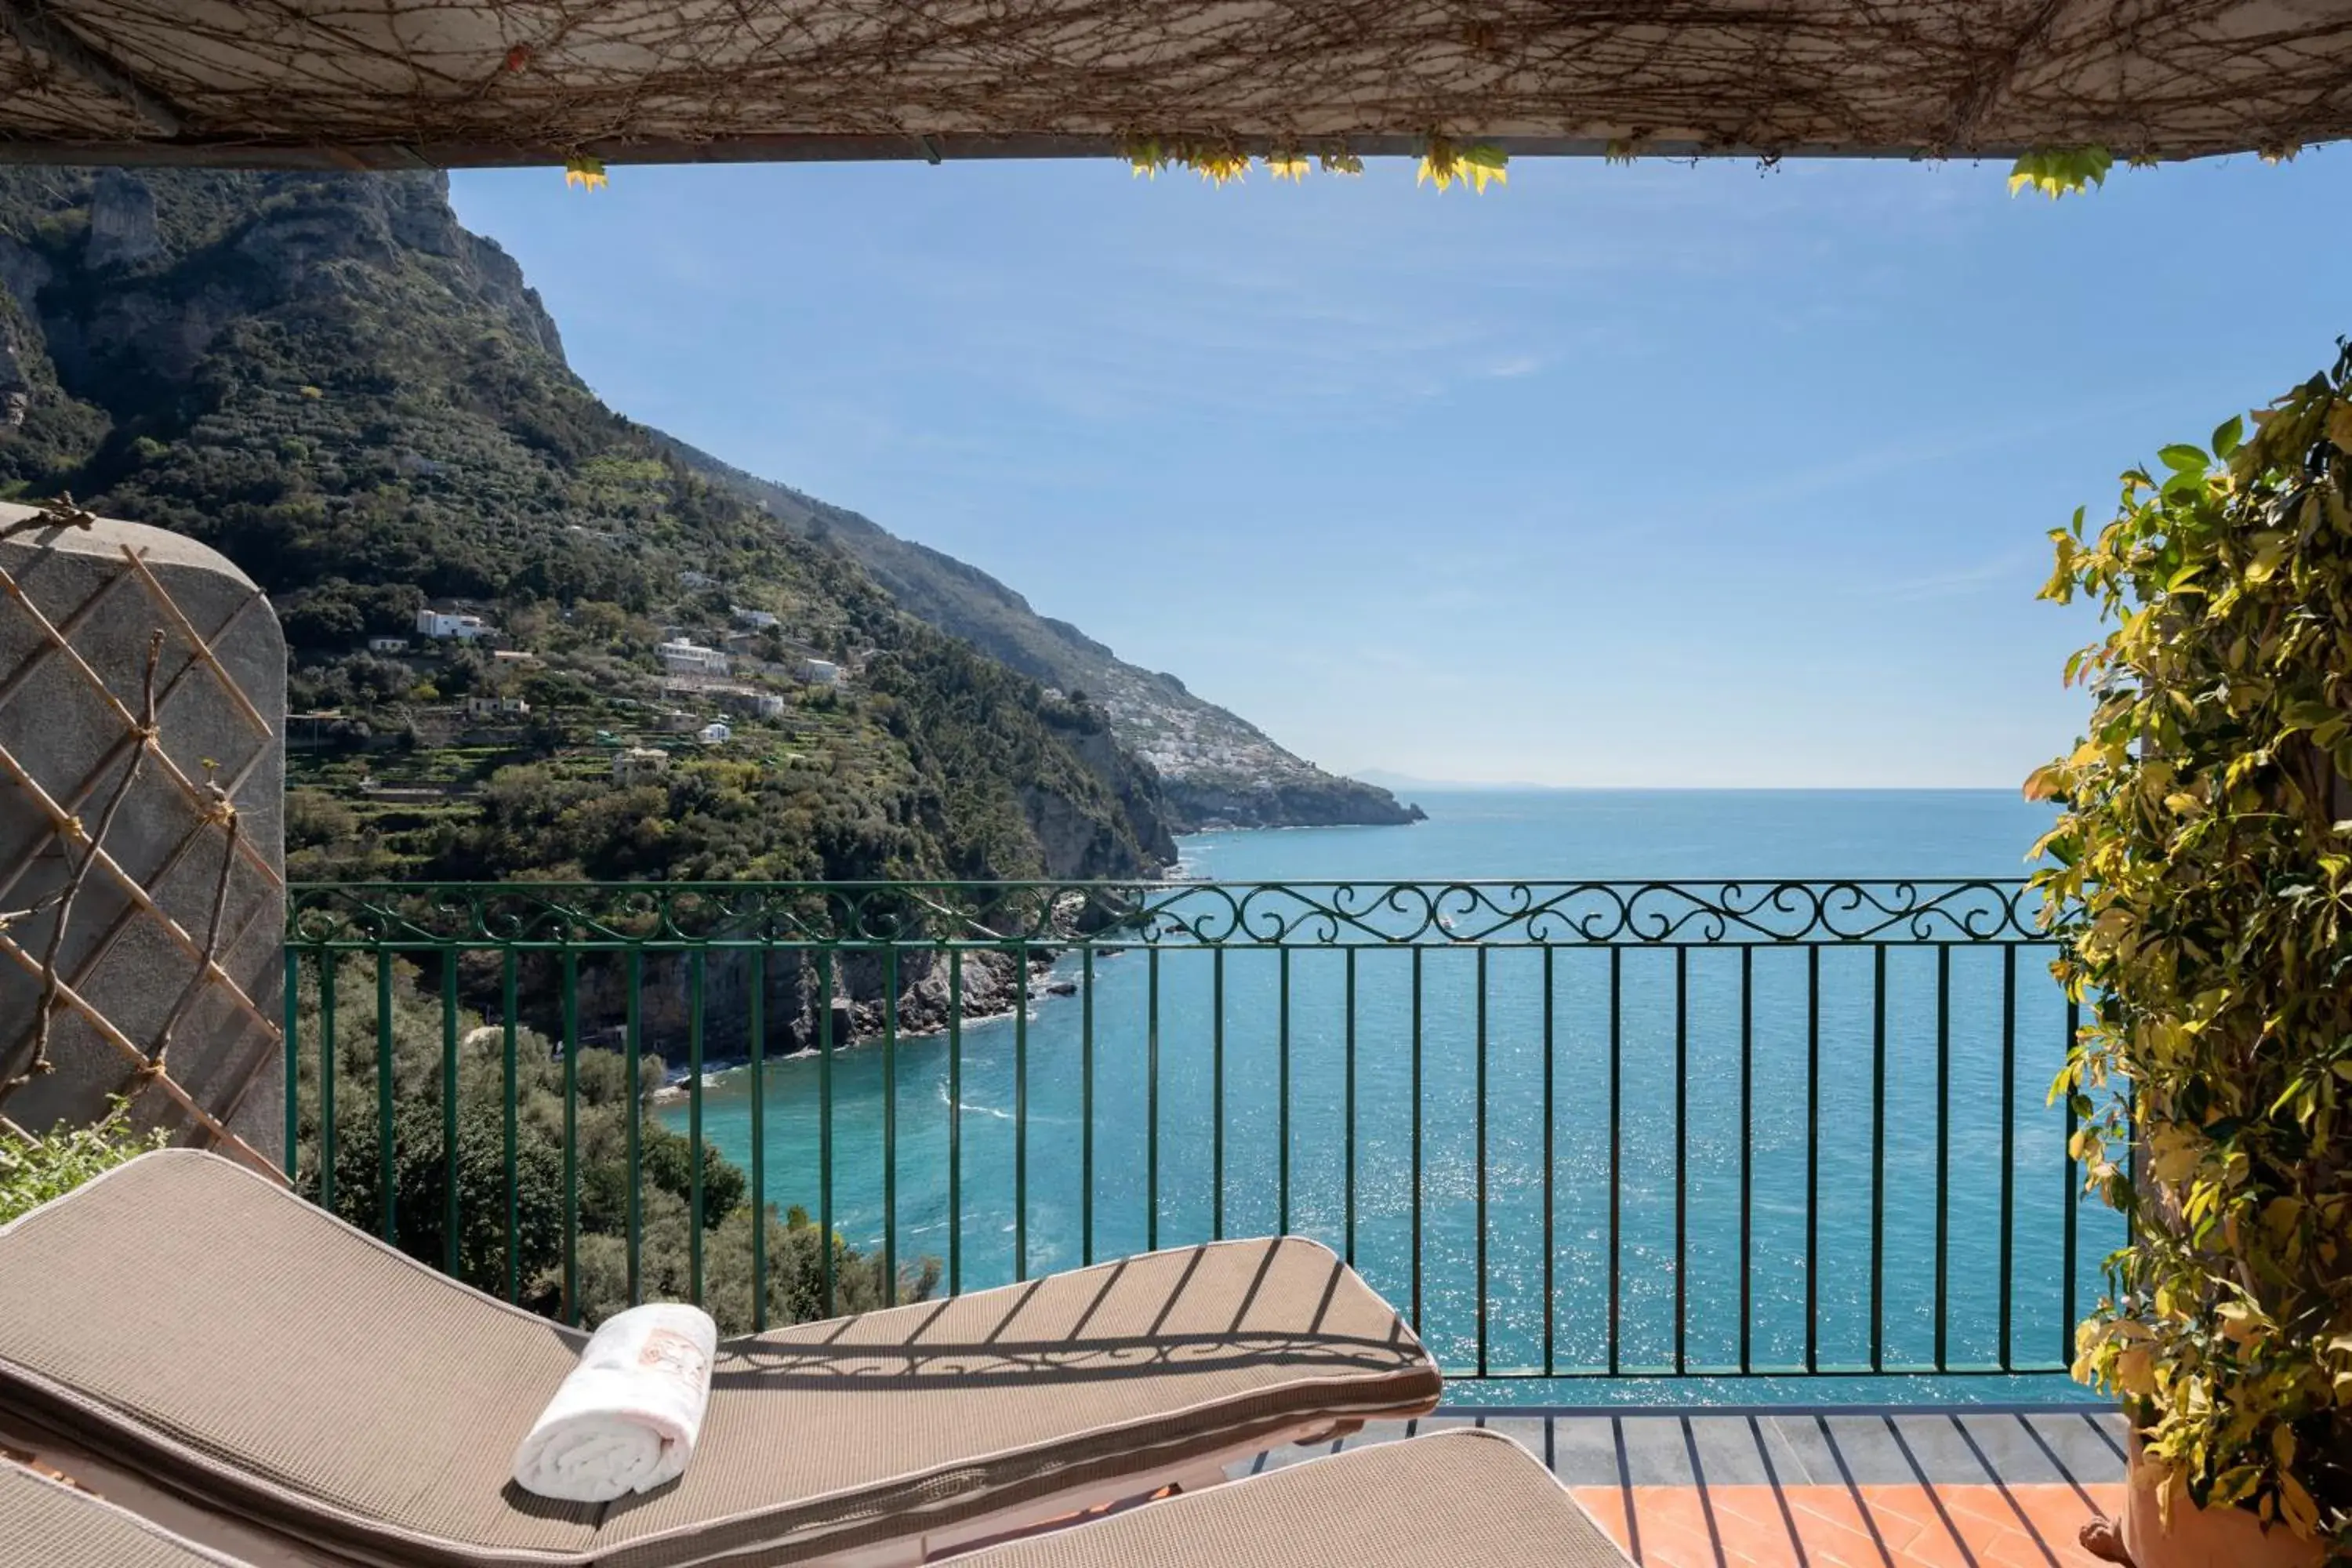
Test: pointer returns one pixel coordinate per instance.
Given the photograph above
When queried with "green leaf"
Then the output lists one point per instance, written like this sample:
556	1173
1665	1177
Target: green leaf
2227	437
2184	458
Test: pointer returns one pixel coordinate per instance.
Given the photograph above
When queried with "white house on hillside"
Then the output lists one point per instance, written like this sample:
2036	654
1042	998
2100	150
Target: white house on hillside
387	644
713	735
449	624
757	620
820	672
683	655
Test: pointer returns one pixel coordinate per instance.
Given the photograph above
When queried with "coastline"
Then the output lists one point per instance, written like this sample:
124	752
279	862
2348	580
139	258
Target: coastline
679	1090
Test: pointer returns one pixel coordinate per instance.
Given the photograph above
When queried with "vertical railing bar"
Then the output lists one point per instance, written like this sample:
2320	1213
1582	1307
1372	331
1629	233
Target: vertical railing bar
1217	1092
1282	1092
759	1043
1746	1153
695	963
2008	1134
451	1220
1349	1108
1416	1137
572	1140
326	1080
387	1161
1813	1157
1481	1119
1943	1148
291	1038
827	1287
1151	1103
1020	1115
636	1132
1878	1158
890	1127
1550	1165
507	1006
1087	1107
1616	1141
955	1116
2073	1199
1682	1157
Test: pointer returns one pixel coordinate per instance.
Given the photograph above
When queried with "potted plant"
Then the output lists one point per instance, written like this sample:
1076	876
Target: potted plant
2199	876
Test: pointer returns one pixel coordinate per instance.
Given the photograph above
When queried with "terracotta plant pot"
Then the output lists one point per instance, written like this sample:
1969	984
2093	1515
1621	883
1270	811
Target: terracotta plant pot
2199	1537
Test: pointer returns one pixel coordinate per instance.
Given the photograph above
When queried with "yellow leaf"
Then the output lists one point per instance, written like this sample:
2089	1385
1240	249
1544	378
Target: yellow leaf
2302	1513
585	172
2339	425
1287	166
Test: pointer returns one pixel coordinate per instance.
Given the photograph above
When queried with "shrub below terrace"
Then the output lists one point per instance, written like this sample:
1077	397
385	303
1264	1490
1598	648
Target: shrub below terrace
54	1163
795	1248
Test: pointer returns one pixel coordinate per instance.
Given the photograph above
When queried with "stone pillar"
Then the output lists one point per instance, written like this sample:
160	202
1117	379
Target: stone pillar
143	894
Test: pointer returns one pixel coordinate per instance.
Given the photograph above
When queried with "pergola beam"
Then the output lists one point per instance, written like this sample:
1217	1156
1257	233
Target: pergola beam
30	23
397	83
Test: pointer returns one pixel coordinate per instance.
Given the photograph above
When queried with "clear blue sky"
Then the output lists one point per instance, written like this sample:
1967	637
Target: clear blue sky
1656	475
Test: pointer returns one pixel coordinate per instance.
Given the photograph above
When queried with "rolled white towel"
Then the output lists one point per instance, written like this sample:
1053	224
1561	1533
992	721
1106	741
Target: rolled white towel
624	1419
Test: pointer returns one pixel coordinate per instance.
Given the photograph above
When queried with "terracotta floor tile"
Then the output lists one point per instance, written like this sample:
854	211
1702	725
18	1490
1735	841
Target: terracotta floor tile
1607	1505
1831	1522
1956	1526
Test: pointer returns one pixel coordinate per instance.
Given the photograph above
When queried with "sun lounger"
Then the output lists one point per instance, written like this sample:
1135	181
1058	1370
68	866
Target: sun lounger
46	1524
1461	1497
181	1323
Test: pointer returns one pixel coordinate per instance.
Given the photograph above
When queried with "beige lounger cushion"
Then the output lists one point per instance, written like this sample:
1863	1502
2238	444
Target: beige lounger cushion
1464	1497
247	1348
46	1525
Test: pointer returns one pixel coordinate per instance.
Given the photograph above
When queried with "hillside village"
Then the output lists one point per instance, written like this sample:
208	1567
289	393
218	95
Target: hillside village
589	693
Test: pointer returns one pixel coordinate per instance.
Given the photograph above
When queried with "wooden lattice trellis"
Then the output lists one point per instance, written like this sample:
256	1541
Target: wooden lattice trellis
141	907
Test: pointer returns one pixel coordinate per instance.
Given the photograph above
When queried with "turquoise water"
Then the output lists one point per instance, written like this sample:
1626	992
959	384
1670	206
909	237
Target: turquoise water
1664	836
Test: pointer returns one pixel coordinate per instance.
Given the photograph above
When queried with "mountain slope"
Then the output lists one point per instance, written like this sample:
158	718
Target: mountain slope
1215	766
364	406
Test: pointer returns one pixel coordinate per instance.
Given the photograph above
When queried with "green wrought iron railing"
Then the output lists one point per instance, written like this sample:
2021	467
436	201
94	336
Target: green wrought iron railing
1574	1129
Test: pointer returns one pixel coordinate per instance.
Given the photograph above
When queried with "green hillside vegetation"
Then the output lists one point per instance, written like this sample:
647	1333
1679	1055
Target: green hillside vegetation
361	403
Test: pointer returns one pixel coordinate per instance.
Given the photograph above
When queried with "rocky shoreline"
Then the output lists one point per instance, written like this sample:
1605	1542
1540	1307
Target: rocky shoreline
990	991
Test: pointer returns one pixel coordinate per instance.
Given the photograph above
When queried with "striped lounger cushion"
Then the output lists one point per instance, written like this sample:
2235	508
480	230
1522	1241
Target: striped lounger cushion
186	1319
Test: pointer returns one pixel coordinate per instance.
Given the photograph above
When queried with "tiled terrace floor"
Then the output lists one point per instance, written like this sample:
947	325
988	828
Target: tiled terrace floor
1919	1488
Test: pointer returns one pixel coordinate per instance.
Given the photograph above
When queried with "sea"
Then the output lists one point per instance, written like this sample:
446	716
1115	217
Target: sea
1817	1162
